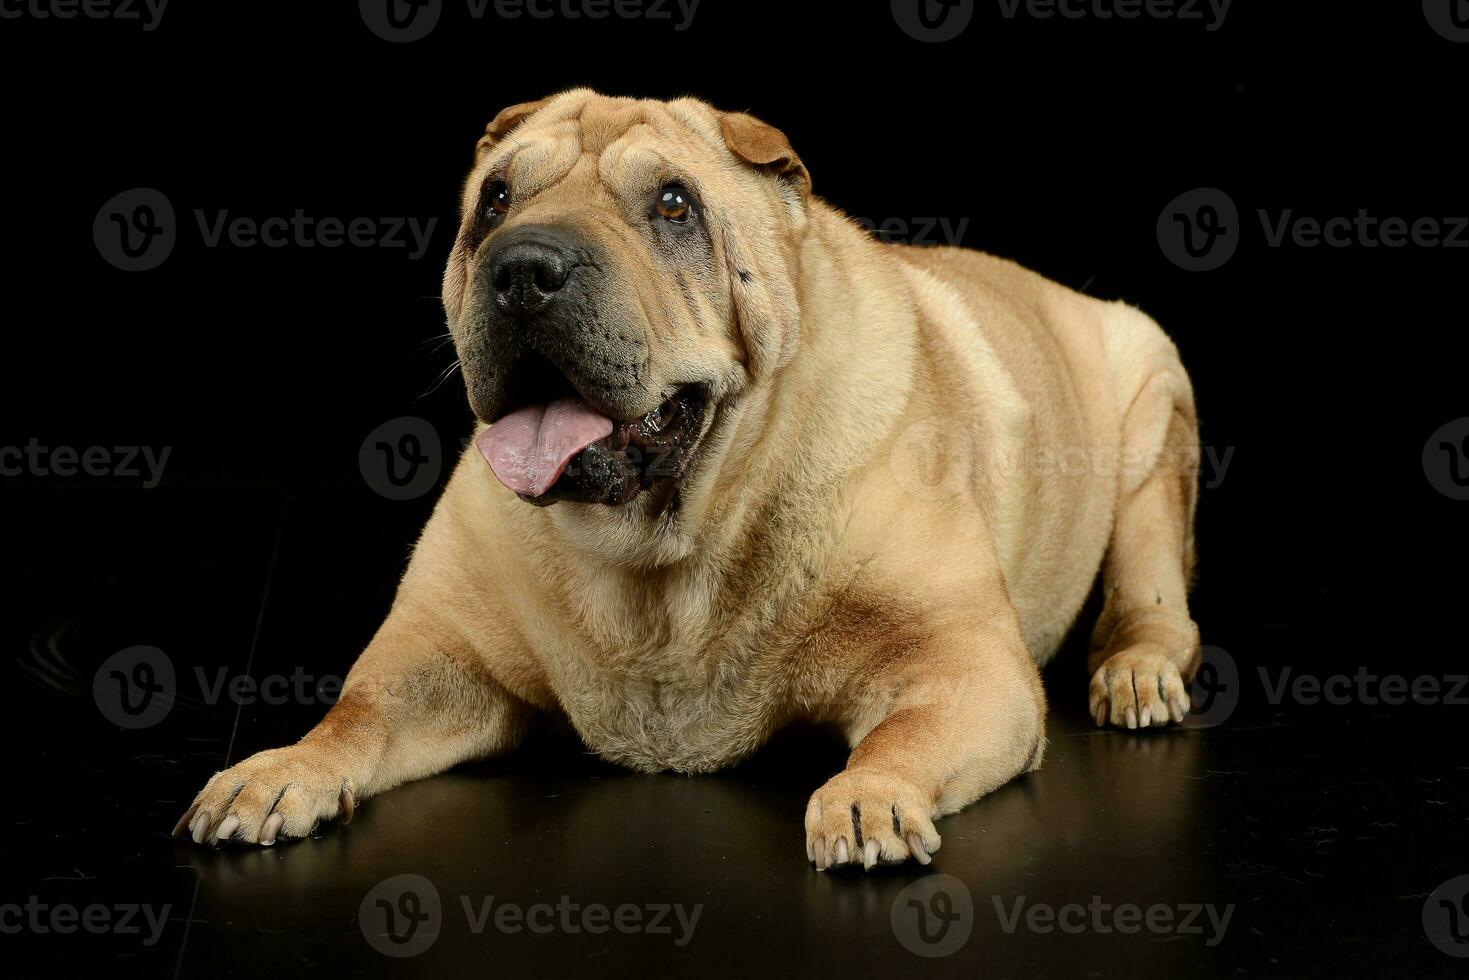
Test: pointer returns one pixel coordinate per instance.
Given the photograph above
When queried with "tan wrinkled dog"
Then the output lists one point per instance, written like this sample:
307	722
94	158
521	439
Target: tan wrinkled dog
792	474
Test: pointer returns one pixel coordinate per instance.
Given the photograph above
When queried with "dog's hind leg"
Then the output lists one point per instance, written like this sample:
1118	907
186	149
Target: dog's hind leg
1145	646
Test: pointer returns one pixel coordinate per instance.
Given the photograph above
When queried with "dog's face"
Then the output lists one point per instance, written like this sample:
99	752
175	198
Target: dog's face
623	270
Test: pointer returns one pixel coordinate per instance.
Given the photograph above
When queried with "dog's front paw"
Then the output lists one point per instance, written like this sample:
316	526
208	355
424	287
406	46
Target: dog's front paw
275	794
869	817
1137	688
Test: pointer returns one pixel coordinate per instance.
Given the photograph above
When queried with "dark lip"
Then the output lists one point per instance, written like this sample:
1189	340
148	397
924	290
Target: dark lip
535	379
647	453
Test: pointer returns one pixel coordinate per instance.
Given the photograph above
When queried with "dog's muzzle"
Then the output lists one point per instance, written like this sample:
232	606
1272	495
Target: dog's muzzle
564	380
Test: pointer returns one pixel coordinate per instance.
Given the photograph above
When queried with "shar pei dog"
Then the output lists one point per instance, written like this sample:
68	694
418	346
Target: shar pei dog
740	465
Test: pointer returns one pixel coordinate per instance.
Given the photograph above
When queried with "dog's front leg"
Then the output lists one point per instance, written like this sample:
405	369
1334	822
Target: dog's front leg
412	706
934	728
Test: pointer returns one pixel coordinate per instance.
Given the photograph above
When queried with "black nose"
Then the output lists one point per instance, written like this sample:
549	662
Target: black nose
527	274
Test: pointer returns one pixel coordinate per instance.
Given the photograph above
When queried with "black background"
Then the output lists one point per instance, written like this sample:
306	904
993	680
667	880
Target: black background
1322	372
1325	370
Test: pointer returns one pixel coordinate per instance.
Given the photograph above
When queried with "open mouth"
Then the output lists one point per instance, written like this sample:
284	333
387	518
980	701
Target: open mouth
553	445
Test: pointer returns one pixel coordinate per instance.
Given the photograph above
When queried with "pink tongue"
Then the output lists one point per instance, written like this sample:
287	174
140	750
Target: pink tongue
530	447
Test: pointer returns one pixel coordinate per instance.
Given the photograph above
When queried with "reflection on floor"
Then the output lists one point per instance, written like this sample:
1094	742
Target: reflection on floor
1289	840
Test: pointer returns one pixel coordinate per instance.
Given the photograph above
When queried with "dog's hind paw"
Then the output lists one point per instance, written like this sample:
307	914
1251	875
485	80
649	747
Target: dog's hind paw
1139	687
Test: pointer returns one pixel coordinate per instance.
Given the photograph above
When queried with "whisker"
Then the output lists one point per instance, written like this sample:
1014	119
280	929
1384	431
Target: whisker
437	342
447	373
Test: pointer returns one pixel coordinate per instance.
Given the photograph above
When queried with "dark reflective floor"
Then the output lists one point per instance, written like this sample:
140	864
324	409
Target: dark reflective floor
1290	840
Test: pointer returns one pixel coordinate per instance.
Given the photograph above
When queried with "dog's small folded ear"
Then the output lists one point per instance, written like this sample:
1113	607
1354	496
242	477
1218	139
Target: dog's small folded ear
507	120
766	147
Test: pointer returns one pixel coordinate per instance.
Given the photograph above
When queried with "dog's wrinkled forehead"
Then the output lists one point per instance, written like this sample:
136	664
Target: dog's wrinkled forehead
615	142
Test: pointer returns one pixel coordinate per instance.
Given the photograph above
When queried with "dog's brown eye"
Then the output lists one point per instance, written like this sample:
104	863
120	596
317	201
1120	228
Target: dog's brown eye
499	196
674	205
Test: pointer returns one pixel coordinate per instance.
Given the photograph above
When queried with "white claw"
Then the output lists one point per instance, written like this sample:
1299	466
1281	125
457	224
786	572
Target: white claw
200	824
227	828
271	828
